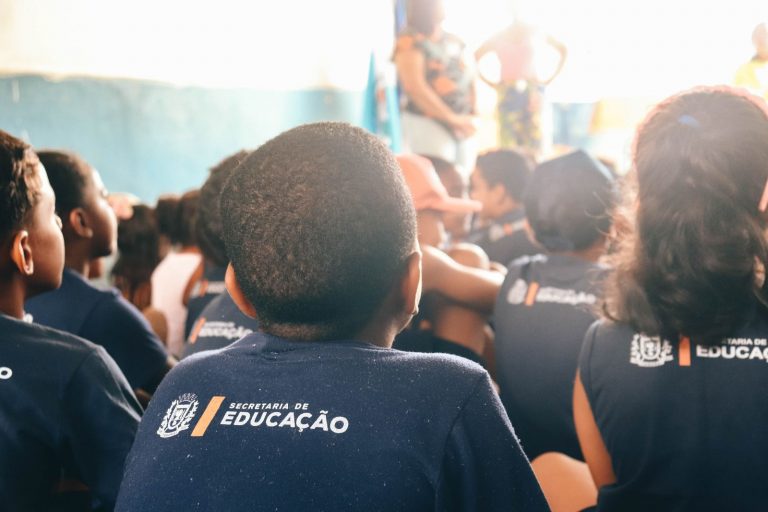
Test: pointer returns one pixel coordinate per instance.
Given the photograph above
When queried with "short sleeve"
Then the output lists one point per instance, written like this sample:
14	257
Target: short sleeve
100	416
484	467
409	41
119	327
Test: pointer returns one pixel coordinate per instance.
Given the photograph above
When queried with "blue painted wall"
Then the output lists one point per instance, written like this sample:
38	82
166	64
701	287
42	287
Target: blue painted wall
150	138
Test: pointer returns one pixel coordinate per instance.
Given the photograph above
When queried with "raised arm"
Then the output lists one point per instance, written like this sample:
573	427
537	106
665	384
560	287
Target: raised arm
563	51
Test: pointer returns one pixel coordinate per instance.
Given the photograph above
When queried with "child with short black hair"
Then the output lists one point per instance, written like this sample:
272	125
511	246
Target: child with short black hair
207	282
499	181
549	301
321	233
67	414
216	321
101	316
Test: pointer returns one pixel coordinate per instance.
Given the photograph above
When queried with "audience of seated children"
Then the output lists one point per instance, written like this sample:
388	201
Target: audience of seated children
138	246
669	403
443	325
315	411
498	182
67	414
207	282
103	317
548	302
176	219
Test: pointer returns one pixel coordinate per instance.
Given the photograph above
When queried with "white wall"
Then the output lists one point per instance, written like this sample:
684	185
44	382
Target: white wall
277	44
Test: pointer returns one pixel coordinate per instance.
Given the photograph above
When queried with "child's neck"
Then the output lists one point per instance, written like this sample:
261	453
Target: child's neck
77	262
12	295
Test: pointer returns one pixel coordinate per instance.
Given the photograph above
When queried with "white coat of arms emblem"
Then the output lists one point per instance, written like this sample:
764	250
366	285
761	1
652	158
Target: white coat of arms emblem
178	416
649	352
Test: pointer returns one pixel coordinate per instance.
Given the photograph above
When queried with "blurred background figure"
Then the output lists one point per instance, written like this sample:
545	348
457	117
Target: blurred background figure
521	88
176	221
438	85
753	75
138	245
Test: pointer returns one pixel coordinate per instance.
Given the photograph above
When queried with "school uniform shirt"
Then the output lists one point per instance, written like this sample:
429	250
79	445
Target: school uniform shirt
420	340
505	239
103	317
66	412
545	307
221	323
684	423
270	424
210	286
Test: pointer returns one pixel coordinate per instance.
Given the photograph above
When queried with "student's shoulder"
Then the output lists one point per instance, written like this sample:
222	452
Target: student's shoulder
52	345
113	311
607	339
434	368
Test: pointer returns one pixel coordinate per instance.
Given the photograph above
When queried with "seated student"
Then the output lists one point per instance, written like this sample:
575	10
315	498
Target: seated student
316	412
547	303
221	323
457	224
668	401
138	245
442	325
207	282
176	220
499	181
100	316
66	412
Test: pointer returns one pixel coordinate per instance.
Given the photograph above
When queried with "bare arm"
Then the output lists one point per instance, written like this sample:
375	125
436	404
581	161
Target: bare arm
472	287
592	444
487	47
563	51
410	69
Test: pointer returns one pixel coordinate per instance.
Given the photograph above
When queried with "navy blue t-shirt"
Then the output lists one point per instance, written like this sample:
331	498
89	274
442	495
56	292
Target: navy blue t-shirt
66	413
685	424
210	286
545	307
505	239
270	424
104	317
421	340
221	323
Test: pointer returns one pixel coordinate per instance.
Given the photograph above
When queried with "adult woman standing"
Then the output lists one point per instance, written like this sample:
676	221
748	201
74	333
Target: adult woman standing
520	89
668	403
438	86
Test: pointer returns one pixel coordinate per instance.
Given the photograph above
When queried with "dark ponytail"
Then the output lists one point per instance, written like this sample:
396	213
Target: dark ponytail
692	260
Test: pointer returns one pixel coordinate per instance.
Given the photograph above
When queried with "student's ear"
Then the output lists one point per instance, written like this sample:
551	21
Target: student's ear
410	287
78	222
239	298
21	253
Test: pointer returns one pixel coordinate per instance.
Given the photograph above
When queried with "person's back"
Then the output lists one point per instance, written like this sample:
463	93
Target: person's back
67	415
334	426
548	302
668	403
682	421
219	324
544	308
316	411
